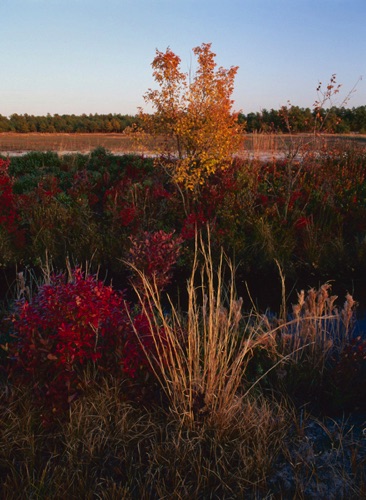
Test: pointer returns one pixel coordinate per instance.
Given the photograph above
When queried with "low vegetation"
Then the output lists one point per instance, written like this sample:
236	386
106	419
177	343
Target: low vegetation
164	389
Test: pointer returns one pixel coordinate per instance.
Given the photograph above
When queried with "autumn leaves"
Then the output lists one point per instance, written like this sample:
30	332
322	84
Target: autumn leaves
192	116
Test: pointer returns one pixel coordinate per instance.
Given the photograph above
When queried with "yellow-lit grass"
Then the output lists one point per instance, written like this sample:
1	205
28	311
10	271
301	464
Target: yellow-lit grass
202	356
319	325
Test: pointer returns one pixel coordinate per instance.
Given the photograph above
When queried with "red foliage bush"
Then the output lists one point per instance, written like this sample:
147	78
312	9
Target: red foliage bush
154	254
69	325
119	206
193	223
8	210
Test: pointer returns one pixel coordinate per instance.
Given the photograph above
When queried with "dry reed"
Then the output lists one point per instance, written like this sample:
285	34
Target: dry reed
202	356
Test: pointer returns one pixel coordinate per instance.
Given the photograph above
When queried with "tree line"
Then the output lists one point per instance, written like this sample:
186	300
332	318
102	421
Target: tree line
293	118
110	123
296	120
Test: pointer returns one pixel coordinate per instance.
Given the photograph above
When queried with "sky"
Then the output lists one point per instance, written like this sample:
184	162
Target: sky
94	56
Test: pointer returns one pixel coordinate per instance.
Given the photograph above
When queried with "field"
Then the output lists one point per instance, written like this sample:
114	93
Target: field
139	355
78	143
14	143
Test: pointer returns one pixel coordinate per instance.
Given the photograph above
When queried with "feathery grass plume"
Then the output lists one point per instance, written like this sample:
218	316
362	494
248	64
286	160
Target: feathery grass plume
318	322
312	342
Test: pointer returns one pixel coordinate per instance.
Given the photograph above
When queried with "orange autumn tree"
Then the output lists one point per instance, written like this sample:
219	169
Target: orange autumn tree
193	118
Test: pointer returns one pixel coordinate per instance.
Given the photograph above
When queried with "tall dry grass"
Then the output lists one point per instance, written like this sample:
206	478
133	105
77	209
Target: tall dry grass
318	324
201	357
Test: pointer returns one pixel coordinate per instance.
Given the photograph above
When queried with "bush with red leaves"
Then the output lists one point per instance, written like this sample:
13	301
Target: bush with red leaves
68	326
10	234
154	254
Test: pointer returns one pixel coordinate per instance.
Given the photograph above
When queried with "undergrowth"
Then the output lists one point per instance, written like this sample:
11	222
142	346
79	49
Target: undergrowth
218	412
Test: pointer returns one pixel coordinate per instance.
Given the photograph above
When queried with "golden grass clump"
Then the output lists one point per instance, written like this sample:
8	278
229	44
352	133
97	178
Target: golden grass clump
202	357
319	325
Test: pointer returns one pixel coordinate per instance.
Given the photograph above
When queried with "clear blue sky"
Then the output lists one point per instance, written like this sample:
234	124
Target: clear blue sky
94	56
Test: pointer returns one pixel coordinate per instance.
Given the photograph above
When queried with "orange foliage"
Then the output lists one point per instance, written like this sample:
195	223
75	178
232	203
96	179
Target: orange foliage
194	117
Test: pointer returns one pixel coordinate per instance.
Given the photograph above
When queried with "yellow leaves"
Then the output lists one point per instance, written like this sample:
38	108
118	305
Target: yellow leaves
197	113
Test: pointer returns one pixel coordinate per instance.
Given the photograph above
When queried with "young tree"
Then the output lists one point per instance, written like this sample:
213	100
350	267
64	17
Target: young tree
193	117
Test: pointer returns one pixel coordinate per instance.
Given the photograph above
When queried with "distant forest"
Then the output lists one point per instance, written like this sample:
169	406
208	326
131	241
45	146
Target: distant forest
336	120
296	119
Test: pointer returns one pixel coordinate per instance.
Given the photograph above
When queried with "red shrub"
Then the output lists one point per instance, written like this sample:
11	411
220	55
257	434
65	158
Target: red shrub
12	237
135	361
193	223
67	326
154	254
119	206
8	211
